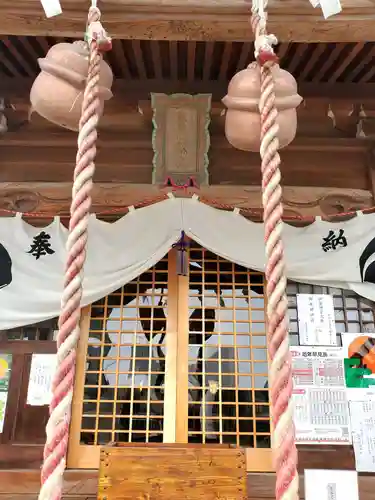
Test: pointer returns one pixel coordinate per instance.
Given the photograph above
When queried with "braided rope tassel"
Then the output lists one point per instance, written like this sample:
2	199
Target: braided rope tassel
57	429
280	369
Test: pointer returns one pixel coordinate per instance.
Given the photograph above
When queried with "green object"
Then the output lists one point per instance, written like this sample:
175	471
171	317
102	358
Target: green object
354	374
5	370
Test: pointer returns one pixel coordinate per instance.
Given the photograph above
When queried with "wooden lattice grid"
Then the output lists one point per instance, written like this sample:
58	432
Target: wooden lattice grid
229	399
126	363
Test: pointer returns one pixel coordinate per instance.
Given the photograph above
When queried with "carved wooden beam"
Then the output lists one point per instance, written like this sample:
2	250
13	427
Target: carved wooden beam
113	198
290	20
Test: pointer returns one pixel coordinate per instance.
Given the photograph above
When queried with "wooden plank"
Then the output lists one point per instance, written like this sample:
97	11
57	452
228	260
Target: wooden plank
83	484
79	483
194	20
113	198
130	91
30	157
176	472
31	346
26	456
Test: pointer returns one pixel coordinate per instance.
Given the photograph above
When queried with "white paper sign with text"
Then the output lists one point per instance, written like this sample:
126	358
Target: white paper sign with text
42	369
316	319
362	418
331	485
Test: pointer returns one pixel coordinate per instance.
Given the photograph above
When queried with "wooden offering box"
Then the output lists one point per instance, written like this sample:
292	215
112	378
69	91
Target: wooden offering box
172	471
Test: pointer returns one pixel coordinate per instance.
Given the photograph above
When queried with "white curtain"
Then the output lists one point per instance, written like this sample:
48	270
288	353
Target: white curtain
32	259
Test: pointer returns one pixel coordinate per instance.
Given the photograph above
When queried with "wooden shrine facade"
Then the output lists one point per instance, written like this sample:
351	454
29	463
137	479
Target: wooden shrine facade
327	170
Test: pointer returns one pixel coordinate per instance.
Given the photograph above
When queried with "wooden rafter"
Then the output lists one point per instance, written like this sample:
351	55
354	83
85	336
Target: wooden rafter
196	61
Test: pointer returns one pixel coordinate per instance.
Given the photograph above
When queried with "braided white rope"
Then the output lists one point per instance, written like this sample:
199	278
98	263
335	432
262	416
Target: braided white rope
57	429
280	369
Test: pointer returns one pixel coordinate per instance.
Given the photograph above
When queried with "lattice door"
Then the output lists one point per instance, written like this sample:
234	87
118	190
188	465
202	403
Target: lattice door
175	359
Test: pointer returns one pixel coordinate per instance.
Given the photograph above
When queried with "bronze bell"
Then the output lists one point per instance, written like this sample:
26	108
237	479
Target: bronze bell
242	120
57	92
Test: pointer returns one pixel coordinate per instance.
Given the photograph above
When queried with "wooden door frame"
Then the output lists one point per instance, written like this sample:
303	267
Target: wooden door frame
176	390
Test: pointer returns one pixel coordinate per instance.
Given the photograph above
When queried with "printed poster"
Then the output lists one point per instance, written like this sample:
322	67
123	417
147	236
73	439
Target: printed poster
42	370
321	411
5	371
360	383
362	421
316	320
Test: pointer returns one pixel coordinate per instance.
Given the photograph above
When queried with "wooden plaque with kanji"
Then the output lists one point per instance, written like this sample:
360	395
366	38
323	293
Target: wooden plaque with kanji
172	473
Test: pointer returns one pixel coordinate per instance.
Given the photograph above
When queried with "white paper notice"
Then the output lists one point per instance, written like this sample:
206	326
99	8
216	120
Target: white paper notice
3	405
330	7
51	7
321	412
331	485
42	369
316	319
362	418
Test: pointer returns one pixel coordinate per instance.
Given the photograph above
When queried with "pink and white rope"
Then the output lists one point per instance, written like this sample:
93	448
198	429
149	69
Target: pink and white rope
57	429
280	362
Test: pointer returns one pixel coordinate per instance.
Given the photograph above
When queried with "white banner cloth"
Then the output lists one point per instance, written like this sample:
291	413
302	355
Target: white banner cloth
339	255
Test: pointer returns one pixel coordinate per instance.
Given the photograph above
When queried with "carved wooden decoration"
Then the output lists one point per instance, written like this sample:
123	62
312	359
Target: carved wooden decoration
173	472
181	138
299	201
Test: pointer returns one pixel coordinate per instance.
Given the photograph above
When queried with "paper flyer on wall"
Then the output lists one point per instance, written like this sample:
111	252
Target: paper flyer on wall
5	371
321	411
3	405
42	369
362	419
316	320
331	484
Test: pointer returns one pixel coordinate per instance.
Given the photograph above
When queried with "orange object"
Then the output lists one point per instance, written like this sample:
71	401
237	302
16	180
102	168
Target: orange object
363	347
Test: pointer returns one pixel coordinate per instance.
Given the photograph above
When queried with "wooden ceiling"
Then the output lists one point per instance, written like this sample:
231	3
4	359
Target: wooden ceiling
227	20
336	79
194	62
